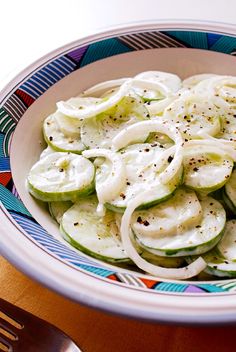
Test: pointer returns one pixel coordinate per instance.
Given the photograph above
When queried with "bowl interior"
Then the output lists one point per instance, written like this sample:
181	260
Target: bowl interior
27	142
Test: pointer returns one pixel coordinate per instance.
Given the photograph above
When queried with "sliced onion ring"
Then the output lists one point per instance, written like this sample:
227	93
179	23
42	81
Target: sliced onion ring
170	80
222	147
157	86
102	87
158	107
182	273
115	182
94	110
143	128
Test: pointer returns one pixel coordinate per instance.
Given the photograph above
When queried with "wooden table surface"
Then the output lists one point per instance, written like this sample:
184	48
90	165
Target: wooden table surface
95	331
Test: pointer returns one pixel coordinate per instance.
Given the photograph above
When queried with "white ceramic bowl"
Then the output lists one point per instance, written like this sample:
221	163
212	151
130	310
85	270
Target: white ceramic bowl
30	239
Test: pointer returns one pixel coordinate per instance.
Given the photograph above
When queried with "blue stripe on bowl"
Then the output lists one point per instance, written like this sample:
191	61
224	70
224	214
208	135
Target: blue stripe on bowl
35	86
2	135
94	270
41	80
224	45
212	38
170	287
5	164
103	49
11	203
192	39
211	288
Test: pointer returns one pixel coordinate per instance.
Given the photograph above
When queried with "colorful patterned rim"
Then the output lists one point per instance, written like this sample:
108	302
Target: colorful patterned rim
37	83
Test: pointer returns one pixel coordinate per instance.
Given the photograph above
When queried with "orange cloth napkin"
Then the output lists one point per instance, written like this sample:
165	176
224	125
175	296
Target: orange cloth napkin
95	331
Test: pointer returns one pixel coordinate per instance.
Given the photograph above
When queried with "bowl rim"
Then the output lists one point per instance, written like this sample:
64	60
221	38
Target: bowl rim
42	273
119	29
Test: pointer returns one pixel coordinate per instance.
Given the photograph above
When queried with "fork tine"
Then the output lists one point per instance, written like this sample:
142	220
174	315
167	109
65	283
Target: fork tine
4	340
35	333
12	311
4	324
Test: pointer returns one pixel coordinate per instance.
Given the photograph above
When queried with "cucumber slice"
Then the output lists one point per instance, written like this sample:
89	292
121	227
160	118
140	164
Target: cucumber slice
224	201
196	239
230	189
99	131
222	92
227	245
193	114
228	126
206	169
218	265
228	203
62	133
162	140
61	177
143	165
46	152
221	261
93	235
57	209
165	262
182	211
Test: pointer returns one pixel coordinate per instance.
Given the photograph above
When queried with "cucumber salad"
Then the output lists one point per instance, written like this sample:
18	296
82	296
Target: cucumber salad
139	171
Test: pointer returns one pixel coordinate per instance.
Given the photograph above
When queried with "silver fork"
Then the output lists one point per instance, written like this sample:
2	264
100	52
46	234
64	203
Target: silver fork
21	331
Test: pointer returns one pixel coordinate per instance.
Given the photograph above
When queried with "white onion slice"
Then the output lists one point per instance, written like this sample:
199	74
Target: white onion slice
157	107
143	128
170	80
182	273
194	80
111	187
213	86
156	86
221	147
83	102
176	164
174	167
95	109
102	87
